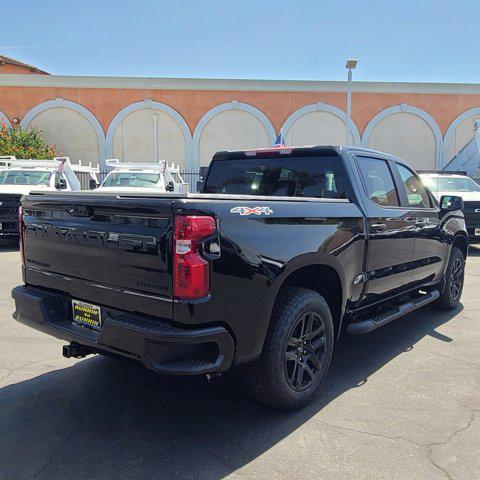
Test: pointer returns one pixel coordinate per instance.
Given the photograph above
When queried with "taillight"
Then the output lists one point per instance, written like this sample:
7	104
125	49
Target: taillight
191	272
20	233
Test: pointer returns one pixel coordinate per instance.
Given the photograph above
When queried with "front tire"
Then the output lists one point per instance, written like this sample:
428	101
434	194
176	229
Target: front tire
297	351
454	279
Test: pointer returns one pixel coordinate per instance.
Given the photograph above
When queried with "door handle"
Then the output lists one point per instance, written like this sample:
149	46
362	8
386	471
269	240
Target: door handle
416	220
378	227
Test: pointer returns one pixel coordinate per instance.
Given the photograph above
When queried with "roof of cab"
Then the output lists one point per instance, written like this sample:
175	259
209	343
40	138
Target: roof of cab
305	150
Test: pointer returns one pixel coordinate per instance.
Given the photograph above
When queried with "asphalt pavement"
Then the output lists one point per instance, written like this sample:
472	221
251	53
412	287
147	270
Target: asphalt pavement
400	403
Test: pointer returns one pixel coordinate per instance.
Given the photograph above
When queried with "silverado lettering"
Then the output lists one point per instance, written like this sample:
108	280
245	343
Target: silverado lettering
132	242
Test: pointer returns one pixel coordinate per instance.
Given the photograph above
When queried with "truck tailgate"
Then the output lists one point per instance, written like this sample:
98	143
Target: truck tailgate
105	249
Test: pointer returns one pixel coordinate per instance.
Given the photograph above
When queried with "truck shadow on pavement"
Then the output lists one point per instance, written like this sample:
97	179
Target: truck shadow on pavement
102	418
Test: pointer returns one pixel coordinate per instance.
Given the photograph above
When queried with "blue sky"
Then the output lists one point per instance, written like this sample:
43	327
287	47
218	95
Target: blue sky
403	40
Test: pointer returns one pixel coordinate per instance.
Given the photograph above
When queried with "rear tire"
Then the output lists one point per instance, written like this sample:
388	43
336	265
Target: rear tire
297	351
454	279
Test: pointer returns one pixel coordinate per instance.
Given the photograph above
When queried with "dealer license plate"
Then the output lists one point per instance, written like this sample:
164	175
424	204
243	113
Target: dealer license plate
86	314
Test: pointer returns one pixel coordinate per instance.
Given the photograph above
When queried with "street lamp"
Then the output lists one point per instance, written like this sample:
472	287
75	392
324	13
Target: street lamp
350	65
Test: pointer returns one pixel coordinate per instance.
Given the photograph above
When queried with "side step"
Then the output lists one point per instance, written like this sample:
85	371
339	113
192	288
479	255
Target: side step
366	326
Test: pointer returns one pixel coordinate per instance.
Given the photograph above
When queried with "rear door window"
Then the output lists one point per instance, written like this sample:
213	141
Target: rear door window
378	181
321	177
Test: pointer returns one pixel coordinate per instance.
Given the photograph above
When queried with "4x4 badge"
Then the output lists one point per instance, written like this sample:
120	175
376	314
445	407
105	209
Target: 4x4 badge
252	210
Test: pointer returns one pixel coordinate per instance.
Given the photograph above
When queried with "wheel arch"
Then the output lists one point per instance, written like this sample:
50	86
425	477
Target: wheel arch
323	278
461	241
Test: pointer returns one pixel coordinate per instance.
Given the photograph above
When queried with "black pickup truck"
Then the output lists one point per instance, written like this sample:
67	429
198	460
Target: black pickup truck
283	250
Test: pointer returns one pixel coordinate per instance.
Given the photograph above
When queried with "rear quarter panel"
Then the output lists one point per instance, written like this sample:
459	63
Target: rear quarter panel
259	252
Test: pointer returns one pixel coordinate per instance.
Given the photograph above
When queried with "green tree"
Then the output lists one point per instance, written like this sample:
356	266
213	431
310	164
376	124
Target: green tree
27	143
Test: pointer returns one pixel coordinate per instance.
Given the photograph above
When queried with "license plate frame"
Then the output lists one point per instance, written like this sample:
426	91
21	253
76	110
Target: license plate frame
87	315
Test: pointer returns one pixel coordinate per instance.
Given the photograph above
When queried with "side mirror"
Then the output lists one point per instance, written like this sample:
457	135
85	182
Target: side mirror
170	186
199	184
450	203
61	183
93	184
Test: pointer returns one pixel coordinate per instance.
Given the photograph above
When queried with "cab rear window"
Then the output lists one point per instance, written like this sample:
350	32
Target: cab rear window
321	177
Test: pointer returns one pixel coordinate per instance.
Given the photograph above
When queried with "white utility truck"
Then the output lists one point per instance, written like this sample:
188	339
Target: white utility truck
459	185
20	177
144	177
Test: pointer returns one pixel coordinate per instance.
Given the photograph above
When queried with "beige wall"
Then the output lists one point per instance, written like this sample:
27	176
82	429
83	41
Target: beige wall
105	97
408	136
317	128
133	138
71	132
462	135
231	130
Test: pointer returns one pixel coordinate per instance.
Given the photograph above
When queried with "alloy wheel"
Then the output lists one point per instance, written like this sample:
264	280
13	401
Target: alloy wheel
456	278
305	351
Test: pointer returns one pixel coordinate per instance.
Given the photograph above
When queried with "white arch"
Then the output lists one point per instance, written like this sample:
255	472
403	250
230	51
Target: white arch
430	121
61	103
4	119
323	107
447	140
147	103
233	105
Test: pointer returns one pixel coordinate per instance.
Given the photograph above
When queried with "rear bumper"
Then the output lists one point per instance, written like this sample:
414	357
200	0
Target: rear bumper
472	222
472	235
155	343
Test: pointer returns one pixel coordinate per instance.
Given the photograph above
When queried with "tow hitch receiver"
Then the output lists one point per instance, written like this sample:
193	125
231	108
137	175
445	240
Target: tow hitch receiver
76	351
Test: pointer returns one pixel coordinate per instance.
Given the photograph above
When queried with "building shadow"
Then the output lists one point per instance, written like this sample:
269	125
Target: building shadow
103	418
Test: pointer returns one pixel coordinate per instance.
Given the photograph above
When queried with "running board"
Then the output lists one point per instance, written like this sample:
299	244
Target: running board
366	326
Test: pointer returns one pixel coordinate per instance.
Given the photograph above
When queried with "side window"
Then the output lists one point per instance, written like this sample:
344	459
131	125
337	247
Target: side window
378	181
417	194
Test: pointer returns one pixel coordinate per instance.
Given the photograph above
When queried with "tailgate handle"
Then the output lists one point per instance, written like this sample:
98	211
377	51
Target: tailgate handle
131	244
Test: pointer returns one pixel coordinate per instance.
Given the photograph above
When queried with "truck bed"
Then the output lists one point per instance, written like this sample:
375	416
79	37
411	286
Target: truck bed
115	250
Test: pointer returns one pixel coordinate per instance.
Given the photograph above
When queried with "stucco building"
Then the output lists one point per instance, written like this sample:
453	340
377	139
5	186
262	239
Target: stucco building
187	120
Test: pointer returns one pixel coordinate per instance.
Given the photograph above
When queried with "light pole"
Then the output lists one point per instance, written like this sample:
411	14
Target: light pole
350	65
